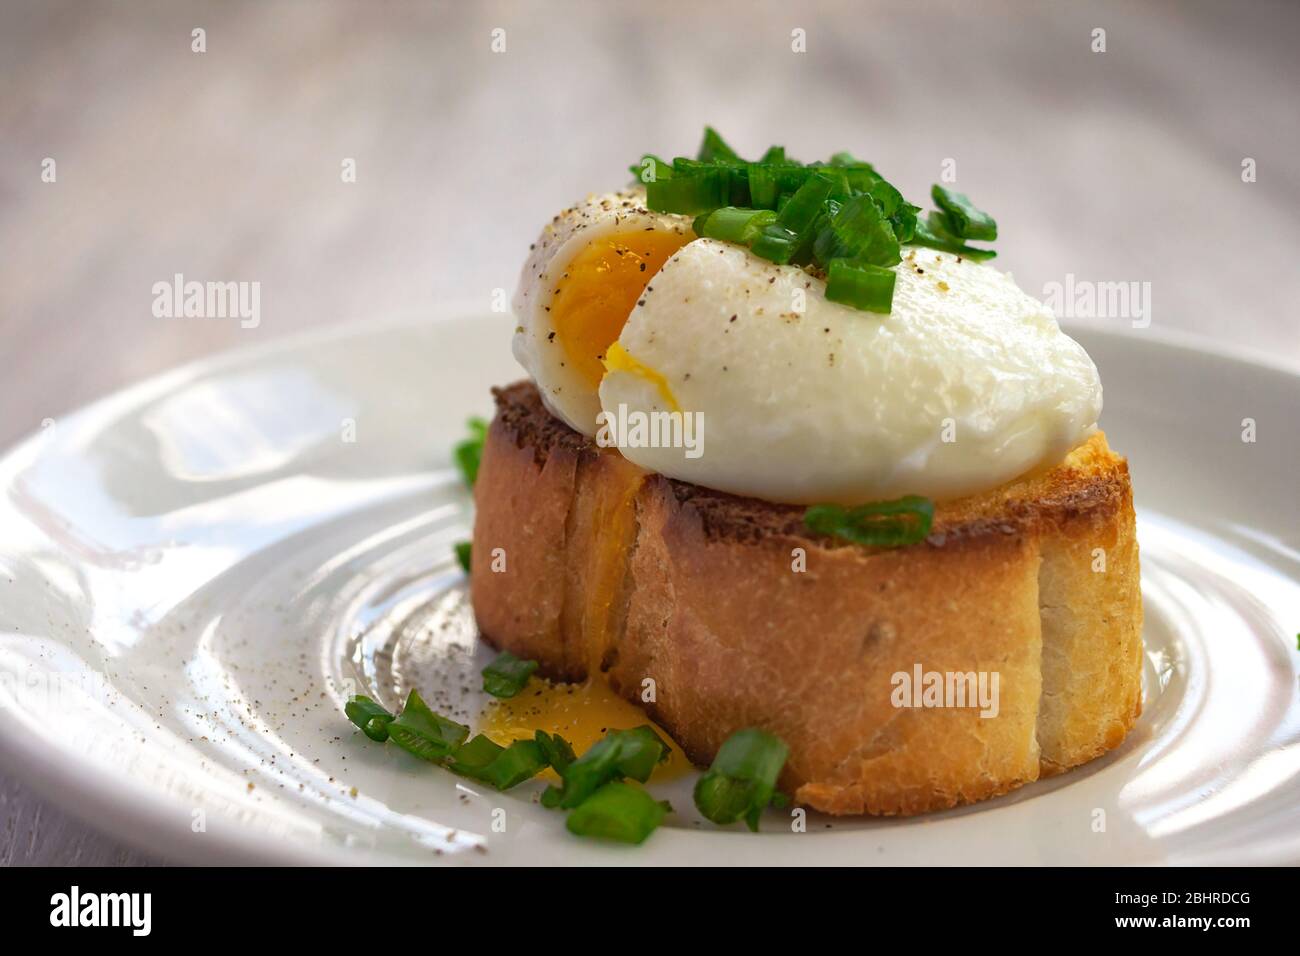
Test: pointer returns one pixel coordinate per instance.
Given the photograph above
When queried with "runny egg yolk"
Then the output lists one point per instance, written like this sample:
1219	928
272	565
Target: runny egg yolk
592	301
580	713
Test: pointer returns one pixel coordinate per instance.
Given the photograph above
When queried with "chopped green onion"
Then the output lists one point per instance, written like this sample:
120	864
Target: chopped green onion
690	195
768	182
738	194
846	159
731	224
764	192
620	753
473	758
470	452
861	285
521	761
463	551
968	222
889	199
501	767
824	246
900	213
802	215
863	232
807	203
903	222
640	751
935	232
881	524
776	244
557	751
651	168
618	811
428	735
369	716
507	675
439	740
838	210
860	175
715	148
741	783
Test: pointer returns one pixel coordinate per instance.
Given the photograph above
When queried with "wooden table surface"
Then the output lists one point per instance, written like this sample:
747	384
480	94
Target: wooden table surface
1115	166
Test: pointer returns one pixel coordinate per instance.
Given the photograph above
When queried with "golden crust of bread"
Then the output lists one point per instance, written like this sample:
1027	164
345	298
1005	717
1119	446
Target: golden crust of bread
742	617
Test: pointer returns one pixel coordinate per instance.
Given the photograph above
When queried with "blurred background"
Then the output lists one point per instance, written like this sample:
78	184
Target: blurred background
1121	156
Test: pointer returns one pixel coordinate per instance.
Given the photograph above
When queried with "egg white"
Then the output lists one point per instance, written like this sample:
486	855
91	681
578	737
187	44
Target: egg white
805	400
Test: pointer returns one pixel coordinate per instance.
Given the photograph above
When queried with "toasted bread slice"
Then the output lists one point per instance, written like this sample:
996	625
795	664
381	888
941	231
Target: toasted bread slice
736	615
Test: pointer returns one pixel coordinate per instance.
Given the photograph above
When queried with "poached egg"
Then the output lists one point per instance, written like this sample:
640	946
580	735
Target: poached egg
968	383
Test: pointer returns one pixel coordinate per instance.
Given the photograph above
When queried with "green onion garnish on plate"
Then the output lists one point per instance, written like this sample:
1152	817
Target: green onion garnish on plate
473	758
741	783
428	735
369	716
485	760
826	212
520	761
469	452
618	811
557	751
881	524
620	753
507	675
437	739
463	551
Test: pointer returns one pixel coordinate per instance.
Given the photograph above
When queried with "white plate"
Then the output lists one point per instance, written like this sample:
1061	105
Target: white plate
194	573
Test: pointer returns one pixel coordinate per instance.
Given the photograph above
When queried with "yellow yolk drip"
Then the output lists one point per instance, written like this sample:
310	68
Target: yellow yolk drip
580	713
610	523
617	359
599	288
